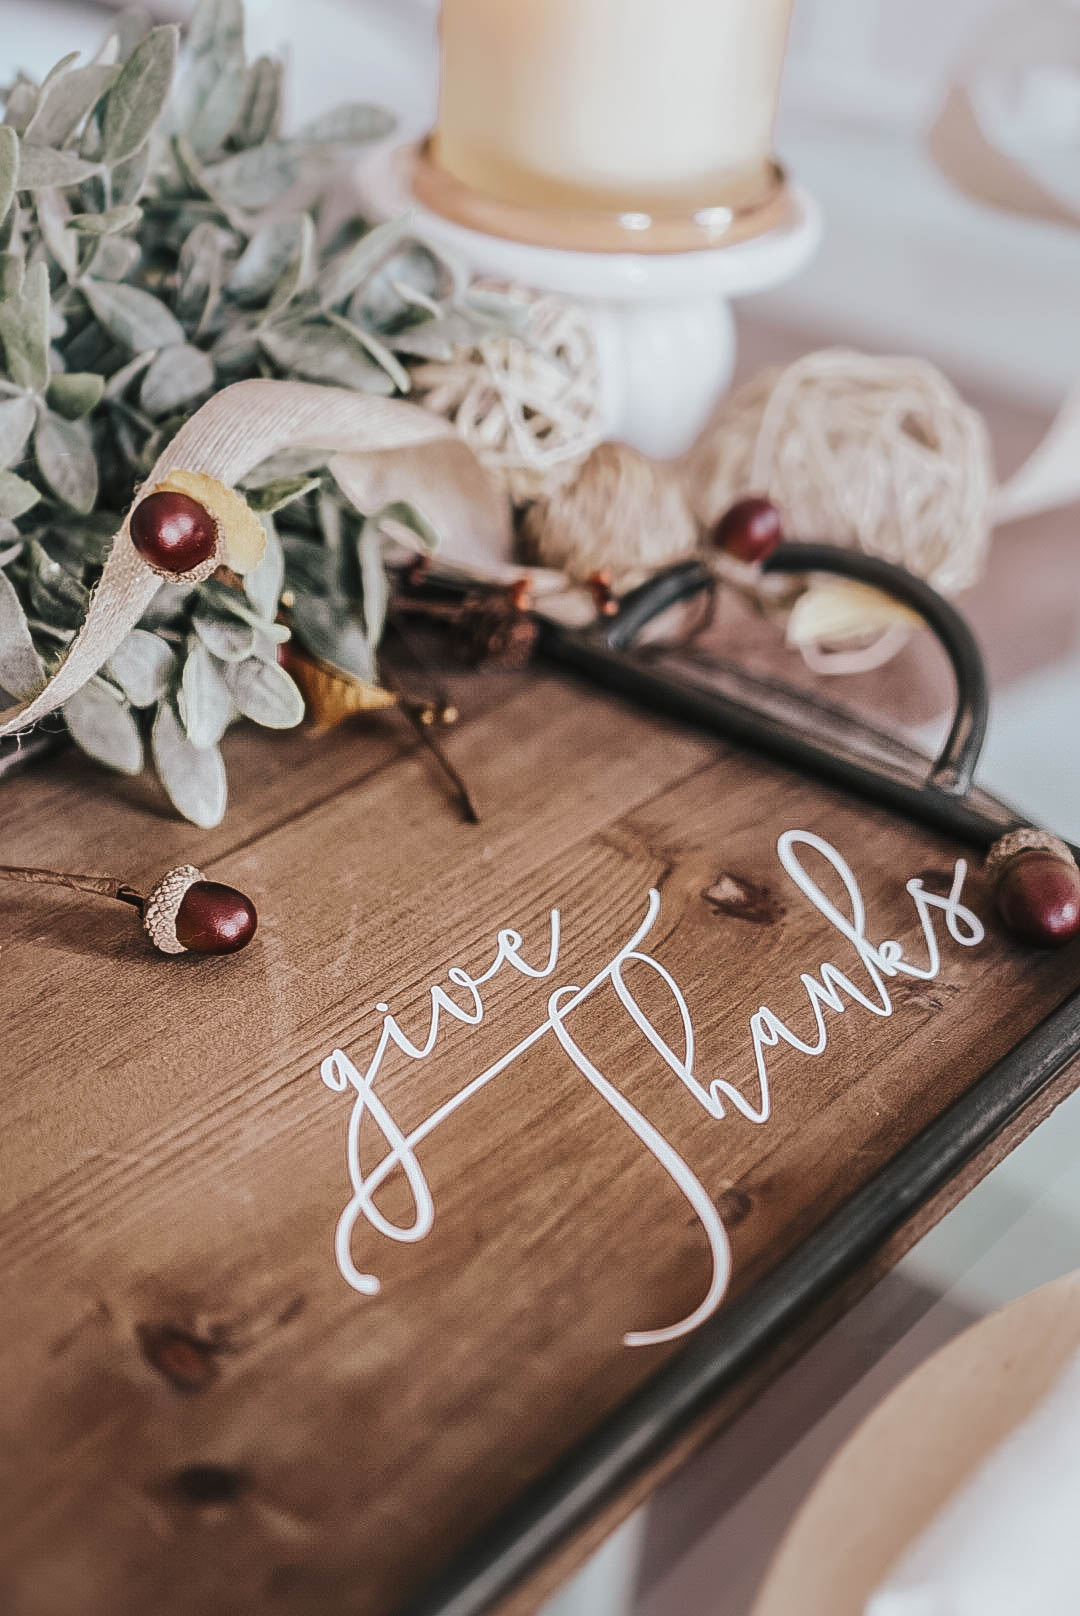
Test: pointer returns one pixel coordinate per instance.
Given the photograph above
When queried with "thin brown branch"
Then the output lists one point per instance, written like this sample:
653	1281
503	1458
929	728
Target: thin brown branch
105	886
413	713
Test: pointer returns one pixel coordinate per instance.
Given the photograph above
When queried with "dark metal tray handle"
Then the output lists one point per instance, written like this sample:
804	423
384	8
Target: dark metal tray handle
954	768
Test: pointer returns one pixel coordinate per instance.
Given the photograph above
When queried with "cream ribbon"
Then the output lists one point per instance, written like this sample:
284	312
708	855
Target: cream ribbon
383	450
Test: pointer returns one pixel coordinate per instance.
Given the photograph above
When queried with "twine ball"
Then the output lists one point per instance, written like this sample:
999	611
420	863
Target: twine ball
878	454
623	515
528	405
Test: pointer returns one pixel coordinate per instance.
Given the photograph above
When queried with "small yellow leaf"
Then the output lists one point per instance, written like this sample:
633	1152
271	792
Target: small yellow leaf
241	531
830	613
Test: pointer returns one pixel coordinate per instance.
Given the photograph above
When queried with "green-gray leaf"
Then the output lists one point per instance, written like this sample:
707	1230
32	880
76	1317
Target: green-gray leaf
109	223
260	114
401	513
374	581
284	491
204	700
193	776
9	167
377	349
130	27
64	452
201	271
12	274
289	463
103	725
74	394
135	318
121	379
223	634
267	255
136	99
115	258
304	348
21	669
53	217
210	94
24	330
142	666
326	630
58	598
264	693
263	586
128	178
256	178
299	273
16	421
355	122
177	375
41	166
67	101
345	272
217	29
20	104
59	68
220	599
17	496
434	339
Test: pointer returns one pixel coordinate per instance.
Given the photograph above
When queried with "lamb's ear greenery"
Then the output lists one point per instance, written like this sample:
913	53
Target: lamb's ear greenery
148	257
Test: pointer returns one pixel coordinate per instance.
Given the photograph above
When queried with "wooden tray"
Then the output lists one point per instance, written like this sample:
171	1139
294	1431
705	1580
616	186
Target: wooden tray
199	1414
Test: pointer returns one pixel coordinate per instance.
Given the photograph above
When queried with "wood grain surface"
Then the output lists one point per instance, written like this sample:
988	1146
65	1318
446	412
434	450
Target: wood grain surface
197	1414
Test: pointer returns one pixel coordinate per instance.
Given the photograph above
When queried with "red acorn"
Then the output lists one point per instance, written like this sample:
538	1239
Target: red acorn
183	913
215	919
750	530
173	533
1036	884
186	913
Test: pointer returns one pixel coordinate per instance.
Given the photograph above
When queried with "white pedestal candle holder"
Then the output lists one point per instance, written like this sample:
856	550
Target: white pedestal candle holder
662	319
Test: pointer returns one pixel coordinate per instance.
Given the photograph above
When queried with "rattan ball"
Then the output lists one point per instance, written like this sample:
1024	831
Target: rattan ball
623	515
528	405
875	453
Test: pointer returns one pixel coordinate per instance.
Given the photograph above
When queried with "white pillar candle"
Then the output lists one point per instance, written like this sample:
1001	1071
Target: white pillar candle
643	105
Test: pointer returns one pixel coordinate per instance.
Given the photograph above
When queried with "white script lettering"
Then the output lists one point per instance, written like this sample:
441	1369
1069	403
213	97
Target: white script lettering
830	990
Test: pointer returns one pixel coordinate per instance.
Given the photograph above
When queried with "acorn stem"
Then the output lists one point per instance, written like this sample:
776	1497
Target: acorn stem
412	712
105	886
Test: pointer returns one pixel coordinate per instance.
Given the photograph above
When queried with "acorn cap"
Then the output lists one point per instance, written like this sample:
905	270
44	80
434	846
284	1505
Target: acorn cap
1026	839
163	904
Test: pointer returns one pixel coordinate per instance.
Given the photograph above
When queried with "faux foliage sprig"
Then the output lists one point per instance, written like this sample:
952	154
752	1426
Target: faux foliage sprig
160	237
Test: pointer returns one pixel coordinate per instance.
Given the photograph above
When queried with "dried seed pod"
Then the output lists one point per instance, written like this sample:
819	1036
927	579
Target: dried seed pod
330	694
1036	885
